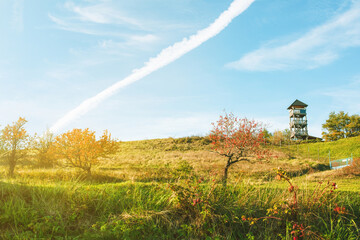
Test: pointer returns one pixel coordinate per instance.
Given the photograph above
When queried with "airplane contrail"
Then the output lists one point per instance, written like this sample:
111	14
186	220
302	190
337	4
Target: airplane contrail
165	57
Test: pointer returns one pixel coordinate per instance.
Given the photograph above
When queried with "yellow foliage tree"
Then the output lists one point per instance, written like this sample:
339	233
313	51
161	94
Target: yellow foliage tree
43	145
278	137
81	149
14	141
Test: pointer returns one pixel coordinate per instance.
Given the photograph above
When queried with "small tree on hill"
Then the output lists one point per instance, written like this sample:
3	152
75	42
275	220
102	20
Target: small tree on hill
81	149
286	135
43	145
278	137
14	142
267	135
341	125
237	139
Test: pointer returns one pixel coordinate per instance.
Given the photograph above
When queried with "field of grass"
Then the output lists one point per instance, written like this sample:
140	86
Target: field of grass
342	148
171	189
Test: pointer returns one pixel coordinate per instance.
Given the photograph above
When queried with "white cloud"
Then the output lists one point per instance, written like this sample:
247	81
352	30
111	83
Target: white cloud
143	42
102	13
81	28
87	19
320	46
123	32
148	38
140	41
165	57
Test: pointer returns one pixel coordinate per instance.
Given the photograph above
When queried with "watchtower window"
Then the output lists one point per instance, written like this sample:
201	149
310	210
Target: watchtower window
301	111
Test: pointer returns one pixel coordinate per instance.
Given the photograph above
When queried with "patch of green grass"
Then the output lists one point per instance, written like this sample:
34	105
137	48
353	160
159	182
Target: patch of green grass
339	149
148	210
44	211
170	189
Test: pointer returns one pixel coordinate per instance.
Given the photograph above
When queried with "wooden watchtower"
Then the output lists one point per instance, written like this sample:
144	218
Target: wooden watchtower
298	121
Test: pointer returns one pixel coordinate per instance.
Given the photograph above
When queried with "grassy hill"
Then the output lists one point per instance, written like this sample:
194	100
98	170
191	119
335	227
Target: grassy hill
171	189
342	148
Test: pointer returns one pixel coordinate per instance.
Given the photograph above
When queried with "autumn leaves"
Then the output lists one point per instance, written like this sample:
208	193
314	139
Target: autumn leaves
77	148
237	139
81	149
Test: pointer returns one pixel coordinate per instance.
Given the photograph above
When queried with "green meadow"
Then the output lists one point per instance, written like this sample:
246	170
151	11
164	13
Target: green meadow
171	189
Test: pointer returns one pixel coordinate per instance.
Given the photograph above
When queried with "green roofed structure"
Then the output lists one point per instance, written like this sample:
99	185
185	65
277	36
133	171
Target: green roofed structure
298	121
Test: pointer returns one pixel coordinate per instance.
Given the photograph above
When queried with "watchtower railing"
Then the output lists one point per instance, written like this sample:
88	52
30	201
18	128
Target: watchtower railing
298	122
299	132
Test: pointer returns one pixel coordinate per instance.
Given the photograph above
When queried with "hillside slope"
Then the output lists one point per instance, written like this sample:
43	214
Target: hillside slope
342	148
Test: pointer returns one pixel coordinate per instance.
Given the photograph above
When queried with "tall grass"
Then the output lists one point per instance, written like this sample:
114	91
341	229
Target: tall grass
170	189
161	211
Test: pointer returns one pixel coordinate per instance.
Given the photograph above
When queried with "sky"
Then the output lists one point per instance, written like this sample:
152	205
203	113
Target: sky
56	54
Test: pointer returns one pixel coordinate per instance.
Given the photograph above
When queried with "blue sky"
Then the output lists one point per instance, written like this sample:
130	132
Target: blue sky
56	54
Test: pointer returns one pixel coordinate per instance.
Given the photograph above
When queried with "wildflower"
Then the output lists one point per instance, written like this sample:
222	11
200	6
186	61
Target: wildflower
291	188
298	231
339	210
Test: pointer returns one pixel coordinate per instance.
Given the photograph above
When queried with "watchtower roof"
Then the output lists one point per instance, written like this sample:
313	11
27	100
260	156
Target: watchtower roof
297	103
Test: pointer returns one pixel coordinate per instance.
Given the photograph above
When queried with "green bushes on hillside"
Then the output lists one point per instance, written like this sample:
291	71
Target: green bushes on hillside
341	125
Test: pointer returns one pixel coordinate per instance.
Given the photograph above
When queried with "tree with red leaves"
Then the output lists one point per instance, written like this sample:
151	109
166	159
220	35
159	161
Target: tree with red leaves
237	139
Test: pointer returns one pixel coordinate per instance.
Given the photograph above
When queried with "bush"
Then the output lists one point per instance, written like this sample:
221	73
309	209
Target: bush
82	150
354	168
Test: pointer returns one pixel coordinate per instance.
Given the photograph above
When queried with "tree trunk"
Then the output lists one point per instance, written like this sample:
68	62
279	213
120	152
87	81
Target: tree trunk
226	174
12	163
88	171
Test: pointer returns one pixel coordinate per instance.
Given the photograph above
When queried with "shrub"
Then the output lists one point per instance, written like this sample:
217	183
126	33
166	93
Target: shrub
81	150
354	168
